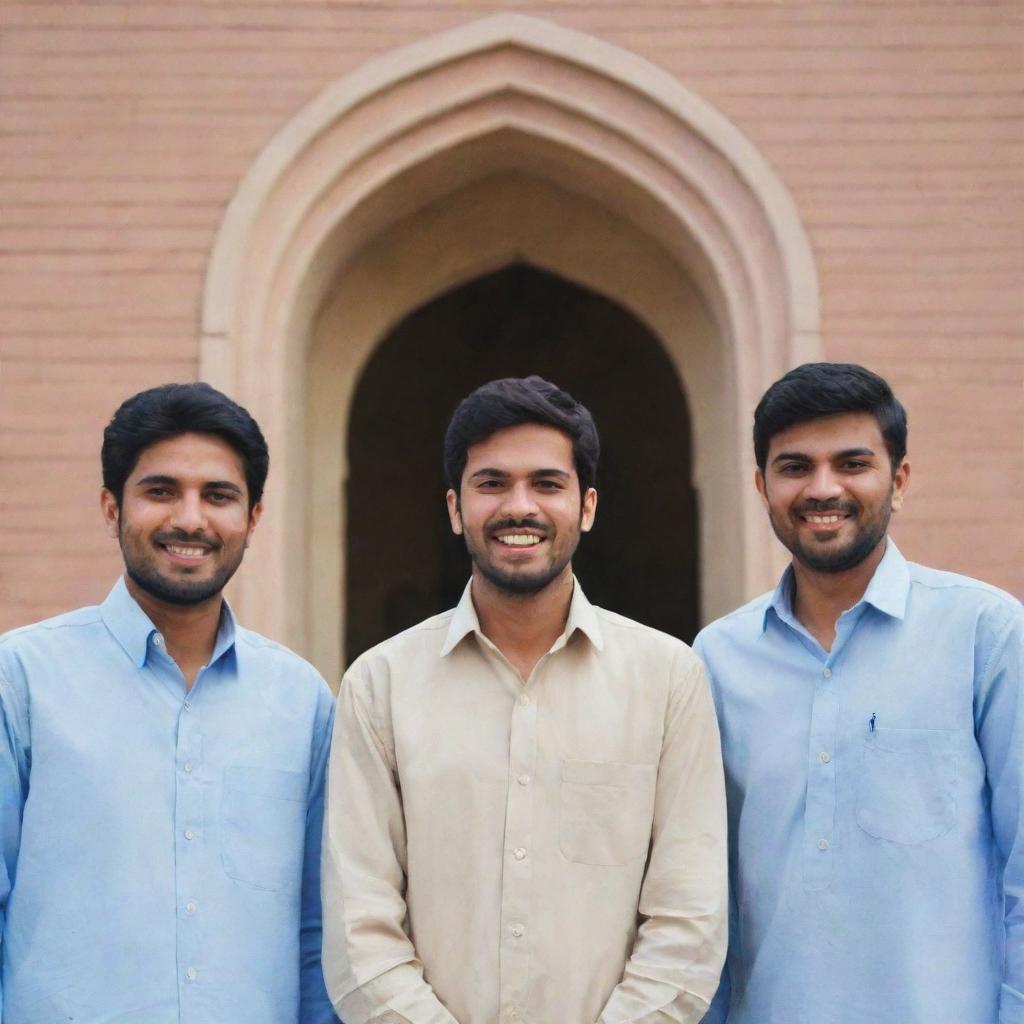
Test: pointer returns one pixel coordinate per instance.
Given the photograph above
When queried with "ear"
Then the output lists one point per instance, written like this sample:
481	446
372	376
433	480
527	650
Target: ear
762	487
900	484
254	517
588	510
454	514
111	512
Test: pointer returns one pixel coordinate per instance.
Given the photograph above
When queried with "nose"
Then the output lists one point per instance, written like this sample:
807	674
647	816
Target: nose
520	501
188	513
823	484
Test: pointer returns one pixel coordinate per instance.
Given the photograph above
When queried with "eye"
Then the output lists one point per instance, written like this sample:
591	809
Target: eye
158	492
220	497
853	465
791	468
549	485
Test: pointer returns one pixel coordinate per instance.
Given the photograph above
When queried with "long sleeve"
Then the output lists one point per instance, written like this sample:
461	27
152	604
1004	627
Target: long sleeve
1000	734
674	968
370	965
14	760
314	1005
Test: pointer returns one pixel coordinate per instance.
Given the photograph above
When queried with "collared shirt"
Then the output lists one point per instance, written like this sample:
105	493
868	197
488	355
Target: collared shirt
874	795
491	842
160	847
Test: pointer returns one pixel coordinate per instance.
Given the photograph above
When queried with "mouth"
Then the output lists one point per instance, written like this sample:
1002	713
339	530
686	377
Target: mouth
519	540
185	554
824	522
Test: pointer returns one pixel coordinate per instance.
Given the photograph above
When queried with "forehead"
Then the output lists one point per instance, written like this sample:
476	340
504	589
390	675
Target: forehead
830	434
524	448
202	457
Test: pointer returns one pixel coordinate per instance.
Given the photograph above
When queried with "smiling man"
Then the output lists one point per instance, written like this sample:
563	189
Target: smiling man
871	722
525	813
161	784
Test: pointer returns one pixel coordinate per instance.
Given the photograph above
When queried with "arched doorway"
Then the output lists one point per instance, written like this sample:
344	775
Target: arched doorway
508	139
404	564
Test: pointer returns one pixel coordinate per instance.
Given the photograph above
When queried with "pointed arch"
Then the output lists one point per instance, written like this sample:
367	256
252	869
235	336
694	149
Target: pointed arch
434	163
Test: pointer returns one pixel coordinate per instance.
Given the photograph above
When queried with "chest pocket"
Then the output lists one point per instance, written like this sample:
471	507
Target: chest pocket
606	811
263	825
907	784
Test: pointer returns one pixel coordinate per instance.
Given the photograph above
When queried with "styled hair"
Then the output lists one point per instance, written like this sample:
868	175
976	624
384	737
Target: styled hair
173	409
827	389
512	402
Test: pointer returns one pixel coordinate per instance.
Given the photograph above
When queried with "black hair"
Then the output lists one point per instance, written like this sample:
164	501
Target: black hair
512	402
828	389
173	409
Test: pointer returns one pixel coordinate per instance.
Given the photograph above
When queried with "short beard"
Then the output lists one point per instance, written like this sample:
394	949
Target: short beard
519	585
184	594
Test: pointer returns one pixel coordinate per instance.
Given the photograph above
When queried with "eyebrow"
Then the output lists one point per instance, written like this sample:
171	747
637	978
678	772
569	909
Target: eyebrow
160	478
846	453
502	474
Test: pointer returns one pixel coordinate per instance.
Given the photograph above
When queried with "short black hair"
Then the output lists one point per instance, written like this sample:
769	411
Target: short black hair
828	389
511	402
173	409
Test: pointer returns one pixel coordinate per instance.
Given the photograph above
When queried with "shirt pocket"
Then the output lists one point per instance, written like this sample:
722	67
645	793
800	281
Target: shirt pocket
907	784
263	825
606	811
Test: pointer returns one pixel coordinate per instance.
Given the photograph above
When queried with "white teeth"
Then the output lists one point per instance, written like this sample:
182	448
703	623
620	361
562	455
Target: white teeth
186	552
519	540
822	519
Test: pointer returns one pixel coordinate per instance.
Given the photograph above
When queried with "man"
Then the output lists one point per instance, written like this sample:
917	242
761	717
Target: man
871	722
161	783
514	781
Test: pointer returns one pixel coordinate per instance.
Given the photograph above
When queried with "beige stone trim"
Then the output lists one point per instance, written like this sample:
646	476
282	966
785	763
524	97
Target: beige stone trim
506	139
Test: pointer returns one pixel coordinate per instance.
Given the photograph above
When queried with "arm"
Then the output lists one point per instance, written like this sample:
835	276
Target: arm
674	968
14	766
314	1005
370	965
999	726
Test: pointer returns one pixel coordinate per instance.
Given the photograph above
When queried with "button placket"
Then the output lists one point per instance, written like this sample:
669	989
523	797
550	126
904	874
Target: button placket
820	804
191	862
517	878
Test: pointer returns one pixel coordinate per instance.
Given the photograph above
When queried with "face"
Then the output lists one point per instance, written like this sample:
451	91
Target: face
184	519
520	509
830	489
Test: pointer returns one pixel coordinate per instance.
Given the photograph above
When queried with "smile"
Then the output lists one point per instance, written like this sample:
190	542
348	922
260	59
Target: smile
185	550
519	540
823	519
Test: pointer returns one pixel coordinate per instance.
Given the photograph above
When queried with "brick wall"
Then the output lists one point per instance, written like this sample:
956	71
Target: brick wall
126	127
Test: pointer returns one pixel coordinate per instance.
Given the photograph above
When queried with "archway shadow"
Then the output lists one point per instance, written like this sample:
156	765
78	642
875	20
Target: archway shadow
403	563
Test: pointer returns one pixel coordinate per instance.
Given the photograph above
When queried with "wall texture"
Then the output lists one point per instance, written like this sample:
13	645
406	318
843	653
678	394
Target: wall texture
127	126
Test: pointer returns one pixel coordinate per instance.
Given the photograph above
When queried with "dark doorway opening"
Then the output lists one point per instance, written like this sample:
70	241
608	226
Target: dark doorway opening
404	564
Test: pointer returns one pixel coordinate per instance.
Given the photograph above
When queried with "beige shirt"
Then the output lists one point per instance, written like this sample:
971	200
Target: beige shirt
492	846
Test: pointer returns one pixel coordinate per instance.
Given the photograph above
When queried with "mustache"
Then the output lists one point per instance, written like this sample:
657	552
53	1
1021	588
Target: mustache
511	524
825	507
183	537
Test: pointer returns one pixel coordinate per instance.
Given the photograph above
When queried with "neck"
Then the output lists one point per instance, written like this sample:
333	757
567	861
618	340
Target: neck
819	598
523	626
189	631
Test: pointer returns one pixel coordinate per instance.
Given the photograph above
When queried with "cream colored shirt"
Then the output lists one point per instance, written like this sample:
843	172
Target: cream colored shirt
547	852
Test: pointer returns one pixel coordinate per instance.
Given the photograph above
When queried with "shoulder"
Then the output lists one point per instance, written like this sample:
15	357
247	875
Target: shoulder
948	596
740	626
278	664
646	645
51	635
415	647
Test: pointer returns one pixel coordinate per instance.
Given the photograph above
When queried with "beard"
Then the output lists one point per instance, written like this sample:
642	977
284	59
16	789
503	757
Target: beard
828	559
182	591
520	584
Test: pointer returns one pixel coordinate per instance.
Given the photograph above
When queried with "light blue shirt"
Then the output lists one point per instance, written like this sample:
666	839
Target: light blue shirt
160	849
874	800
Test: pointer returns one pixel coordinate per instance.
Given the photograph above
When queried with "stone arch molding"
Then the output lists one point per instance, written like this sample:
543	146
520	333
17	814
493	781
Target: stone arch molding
507	138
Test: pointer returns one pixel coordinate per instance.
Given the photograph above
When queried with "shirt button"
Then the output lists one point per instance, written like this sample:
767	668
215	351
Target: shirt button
189	834
191	974
827	673
188	705
514	1014
524	700
188	766
825	757
523	780
517	930
158	640
190	907
822	844
519	853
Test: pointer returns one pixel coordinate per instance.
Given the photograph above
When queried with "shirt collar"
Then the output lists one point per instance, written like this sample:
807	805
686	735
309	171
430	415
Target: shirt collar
582	616
887	591
133	628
